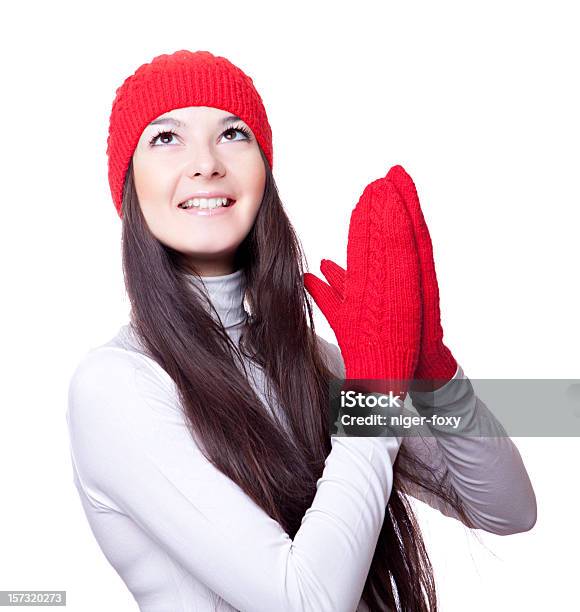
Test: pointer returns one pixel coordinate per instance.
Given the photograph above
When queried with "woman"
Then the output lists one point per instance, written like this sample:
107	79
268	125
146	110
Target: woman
199	433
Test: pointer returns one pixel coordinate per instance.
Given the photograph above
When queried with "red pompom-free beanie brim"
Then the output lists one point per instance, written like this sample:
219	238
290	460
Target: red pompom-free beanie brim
184	78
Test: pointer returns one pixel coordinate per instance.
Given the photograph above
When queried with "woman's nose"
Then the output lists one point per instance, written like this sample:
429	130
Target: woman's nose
205	163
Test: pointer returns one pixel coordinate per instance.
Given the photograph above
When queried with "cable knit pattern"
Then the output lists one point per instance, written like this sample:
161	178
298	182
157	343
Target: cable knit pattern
375	311
436	362
179	80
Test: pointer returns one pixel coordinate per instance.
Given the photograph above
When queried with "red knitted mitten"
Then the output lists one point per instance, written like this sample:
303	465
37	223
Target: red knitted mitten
435	359
374	306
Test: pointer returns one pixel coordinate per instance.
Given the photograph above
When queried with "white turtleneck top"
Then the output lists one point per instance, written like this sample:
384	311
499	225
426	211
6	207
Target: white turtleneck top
184	537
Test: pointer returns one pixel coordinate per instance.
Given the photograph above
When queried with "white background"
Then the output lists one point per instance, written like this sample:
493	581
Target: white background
476	101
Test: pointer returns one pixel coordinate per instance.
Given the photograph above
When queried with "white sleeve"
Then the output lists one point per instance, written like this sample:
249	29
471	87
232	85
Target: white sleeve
486	472
134	454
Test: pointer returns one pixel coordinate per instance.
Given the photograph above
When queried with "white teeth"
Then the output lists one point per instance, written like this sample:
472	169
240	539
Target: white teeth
204	202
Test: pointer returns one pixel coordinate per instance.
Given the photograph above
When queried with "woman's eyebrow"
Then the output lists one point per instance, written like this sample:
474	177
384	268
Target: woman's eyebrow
177	123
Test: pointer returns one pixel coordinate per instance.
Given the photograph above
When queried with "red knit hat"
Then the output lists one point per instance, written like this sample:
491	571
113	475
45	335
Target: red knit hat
184	78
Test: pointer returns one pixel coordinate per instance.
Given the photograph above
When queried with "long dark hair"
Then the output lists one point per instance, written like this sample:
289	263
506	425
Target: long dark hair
232	427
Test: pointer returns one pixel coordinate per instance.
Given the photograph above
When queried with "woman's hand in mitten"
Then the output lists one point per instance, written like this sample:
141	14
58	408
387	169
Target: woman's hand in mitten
374	306
436	364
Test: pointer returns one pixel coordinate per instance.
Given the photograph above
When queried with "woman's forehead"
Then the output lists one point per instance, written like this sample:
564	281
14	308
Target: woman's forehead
190	113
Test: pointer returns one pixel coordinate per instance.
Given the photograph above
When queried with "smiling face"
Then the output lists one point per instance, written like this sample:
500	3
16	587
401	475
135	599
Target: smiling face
199	150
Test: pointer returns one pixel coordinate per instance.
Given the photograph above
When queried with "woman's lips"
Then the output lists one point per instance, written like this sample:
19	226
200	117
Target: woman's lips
208	212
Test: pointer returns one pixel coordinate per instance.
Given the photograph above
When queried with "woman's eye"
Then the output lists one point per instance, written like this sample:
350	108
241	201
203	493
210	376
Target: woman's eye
168	133
239	130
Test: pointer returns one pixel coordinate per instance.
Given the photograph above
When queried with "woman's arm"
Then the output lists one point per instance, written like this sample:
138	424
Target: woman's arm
134	455
486	472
